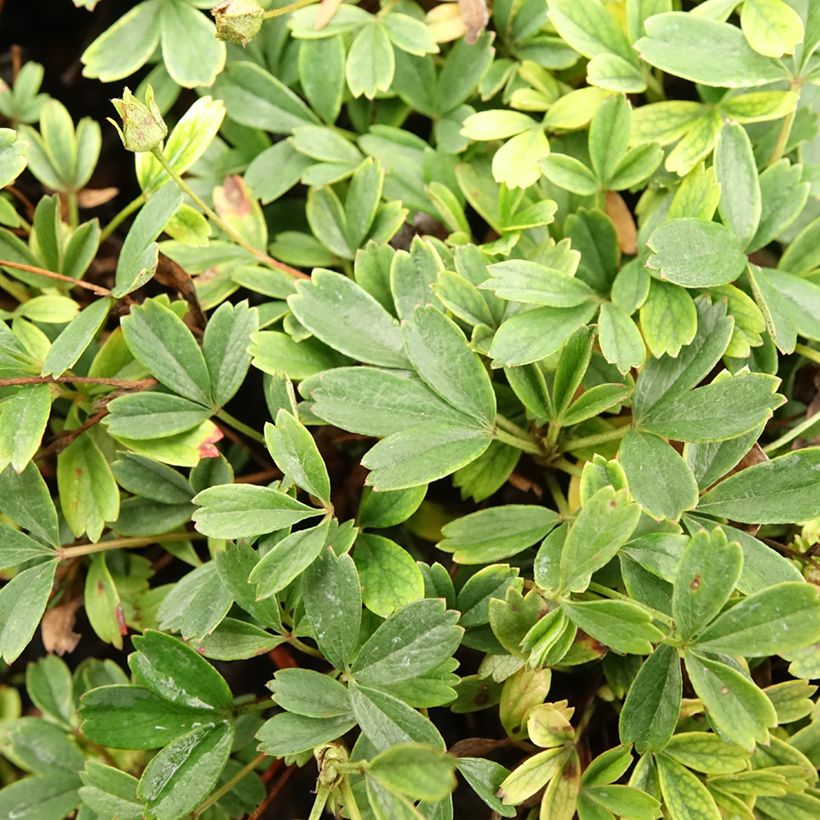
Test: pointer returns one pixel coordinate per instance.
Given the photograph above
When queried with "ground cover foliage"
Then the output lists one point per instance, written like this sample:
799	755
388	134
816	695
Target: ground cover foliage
431	435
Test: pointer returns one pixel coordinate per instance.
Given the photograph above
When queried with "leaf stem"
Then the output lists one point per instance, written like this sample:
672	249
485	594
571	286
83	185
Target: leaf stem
6	263
566	466
303	647
226	787
793	433
121	216
295	6
809	352
78	550
73	209
240	426
598	438
228	230
349	800
606	592
785	133
527	445
557	495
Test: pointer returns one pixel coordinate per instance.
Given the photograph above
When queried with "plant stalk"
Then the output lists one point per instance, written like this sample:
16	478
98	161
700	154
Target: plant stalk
240	426
101	291
598	438
121	216
79	550
226	787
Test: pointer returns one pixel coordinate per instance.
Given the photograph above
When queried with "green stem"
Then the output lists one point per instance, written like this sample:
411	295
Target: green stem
592	441
566	466
125	543
303	647
511	426
319	803
606	592
349	801
240	426
793	433
785	133
226	228
73	209
216	796
121	216
557	495
527	445
553	431
295	6
255	706
809	352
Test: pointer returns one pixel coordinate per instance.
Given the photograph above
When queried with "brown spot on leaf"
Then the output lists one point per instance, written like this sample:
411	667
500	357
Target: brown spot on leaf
695	583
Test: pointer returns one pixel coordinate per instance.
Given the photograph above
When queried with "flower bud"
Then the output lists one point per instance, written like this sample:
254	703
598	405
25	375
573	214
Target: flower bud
238	21
143	128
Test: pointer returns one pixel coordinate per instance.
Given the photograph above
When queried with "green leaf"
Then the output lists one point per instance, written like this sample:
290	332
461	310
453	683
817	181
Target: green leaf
370	61
197	603
309	693
389	576
695	253
124	47
148	415
609	135
12	156
517	164
41	747
772	27
25	498
708	571
411	642
139	255
333	604
131	717
75	338
288	734
321	75
362	201
736	172
740	712
346	317
17	548
89	496
256	98
532	335
620	339
387	509
420	455
50	687
777	620
277	353
297	456
108	791
102	603
23	419
659	479
50	796
496	533
22	604
705	752
150	479
668	319
519	280
440	354
650	712
174	671
419	772
181	776
681	370
589	28
782	490
685	45
288	559
590	543
495	124
621	625
234	564
569	173
224	346
721	410
485	778
683	793
190	50
387	721
245	510
165	347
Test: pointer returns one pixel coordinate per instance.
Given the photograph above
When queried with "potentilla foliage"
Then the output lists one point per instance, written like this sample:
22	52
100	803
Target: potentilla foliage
561	260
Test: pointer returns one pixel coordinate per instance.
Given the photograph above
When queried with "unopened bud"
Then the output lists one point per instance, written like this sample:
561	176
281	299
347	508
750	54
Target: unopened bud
143	127
238	21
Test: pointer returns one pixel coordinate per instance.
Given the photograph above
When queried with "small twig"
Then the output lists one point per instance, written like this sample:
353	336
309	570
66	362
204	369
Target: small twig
226	787
124	384
99	290
60	442
273	793
125	543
